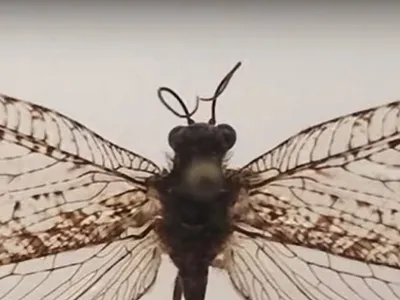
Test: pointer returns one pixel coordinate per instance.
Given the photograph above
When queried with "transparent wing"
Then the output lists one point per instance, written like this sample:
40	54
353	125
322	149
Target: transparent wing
261	270
334	187
63	187
120	270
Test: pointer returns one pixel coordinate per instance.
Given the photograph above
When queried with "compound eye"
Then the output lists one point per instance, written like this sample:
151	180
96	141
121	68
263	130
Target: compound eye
228	135
175	136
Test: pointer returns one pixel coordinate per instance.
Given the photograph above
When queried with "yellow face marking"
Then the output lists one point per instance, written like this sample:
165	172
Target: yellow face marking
201	171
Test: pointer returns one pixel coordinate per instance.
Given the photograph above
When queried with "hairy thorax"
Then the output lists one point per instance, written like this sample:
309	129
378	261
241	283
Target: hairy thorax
196	208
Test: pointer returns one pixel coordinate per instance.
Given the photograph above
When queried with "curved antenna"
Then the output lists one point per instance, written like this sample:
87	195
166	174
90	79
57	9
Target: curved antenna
186	115
220	89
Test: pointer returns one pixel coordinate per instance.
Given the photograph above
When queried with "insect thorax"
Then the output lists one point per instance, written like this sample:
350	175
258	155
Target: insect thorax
195	220
196	196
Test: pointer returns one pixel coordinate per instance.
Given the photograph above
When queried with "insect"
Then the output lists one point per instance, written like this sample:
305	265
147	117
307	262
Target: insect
317	217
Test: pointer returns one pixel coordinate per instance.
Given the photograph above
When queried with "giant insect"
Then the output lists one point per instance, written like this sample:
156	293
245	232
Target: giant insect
317	217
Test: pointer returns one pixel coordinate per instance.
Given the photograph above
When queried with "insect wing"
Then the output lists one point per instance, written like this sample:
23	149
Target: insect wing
261	270
335	188
63	188
123	269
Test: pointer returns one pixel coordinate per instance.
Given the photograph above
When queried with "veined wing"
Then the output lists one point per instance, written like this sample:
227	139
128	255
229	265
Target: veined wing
260	269
334	187
121	270
63	187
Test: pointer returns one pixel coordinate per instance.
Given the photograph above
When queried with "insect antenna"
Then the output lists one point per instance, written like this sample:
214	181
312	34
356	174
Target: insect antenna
220	89
186	114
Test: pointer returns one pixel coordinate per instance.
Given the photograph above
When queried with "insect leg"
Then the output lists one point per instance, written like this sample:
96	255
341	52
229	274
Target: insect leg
177	294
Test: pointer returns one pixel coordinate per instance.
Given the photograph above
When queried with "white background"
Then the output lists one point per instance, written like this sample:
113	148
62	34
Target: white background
101	65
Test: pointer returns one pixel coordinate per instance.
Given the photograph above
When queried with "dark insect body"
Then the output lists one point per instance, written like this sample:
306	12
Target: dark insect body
315	218
196	198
